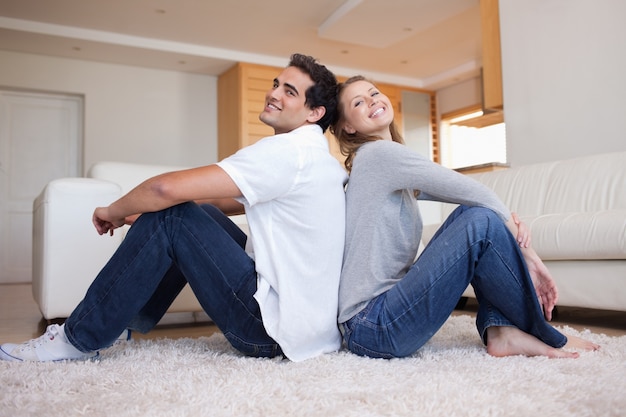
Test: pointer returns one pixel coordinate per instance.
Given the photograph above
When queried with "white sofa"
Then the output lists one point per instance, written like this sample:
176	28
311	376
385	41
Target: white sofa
576	210
68	252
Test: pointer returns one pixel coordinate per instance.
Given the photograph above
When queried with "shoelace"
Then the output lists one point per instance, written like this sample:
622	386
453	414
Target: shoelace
52	331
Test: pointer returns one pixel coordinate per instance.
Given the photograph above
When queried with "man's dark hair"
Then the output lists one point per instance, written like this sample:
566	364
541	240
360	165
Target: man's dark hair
324	90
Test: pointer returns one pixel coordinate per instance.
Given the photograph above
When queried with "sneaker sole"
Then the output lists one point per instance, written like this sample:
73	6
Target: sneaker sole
7	357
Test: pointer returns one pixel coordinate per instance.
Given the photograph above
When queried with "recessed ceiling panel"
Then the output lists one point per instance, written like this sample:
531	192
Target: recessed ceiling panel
377	24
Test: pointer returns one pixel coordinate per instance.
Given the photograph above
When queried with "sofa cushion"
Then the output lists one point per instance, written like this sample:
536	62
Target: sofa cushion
585	184
590	184
584	236
523	189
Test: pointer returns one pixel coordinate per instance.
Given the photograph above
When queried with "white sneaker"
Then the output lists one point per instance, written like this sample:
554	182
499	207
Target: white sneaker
49	347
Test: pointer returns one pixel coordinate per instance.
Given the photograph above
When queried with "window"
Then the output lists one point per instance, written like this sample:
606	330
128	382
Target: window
469	137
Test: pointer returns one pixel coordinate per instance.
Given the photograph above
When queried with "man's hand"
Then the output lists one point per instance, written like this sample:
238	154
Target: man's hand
103	221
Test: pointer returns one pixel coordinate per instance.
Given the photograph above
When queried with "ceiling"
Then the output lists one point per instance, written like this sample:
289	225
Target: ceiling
421	43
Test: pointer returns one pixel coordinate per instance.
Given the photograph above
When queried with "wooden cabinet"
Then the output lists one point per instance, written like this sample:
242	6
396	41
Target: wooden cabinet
241	96
492	59
418	121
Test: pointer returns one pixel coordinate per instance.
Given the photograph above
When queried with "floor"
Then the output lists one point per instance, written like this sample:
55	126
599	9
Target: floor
21	320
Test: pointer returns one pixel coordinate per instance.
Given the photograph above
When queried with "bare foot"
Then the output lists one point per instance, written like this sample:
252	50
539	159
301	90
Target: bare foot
510	341
574	342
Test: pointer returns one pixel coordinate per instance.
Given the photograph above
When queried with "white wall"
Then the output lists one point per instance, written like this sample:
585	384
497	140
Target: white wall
564	78
132	114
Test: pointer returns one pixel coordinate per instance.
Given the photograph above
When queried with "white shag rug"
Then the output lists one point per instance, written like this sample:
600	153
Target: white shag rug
451	376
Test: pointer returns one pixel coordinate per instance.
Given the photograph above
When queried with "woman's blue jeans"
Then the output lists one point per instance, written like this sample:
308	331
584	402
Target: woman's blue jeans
162	252
475	247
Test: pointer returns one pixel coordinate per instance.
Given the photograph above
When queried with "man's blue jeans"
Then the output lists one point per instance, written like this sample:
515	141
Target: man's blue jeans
162	252
475	247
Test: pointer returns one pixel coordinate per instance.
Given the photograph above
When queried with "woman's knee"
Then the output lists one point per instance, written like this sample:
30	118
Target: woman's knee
481	212
482	217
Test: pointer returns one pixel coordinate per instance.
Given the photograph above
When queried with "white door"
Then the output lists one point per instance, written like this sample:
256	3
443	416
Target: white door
40	140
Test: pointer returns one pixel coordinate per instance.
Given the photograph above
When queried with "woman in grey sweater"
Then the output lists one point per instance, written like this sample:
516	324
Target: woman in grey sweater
391	304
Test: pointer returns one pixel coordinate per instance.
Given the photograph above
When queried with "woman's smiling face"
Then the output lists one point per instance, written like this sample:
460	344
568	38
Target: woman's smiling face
366	110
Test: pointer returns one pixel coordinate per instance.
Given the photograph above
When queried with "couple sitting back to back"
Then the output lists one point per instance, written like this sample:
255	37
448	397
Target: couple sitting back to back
276	291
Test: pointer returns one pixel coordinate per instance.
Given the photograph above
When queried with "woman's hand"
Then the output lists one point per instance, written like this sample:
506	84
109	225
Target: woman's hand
545	287
523	232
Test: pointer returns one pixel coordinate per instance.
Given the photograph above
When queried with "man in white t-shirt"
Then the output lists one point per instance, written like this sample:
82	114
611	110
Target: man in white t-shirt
272	293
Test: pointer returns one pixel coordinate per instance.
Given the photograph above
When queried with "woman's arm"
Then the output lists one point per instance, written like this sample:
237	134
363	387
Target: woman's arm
406	169
545	287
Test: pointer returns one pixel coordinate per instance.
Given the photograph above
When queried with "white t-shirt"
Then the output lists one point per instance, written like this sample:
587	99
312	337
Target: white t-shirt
293	194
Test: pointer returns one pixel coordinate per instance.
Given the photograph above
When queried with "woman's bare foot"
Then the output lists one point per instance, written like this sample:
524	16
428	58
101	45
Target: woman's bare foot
574	342
510	341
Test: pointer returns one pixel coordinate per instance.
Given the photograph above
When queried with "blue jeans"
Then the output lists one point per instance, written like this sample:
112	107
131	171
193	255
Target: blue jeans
162	252
475	247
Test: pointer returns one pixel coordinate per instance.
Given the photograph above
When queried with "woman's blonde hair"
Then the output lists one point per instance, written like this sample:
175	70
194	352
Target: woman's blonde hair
349	143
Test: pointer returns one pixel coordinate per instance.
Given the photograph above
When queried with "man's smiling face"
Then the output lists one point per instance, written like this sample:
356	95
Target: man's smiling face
284	103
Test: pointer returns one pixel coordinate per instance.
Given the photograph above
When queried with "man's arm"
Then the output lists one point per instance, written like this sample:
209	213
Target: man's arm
157	193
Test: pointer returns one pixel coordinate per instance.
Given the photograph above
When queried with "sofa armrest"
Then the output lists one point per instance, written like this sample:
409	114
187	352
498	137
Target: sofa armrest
67	250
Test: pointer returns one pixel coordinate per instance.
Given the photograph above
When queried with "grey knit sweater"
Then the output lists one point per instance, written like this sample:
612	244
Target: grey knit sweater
383	222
